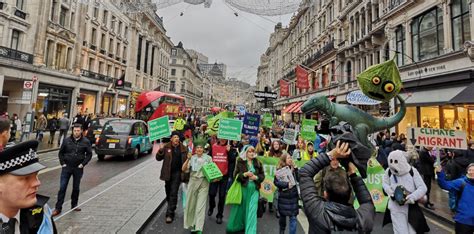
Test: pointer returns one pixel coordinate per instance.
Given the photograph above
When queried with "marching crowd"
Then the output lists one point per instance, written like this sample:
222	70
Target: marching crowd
328	183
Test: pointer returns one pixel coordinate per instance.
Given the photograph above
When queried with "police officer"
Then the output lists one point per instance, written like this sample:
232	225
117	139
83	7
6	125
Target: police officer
22	210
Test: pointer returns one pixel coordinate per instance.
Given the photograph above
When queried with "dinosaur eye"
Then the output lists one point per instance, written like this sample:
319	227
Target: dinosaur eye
388	87
376	80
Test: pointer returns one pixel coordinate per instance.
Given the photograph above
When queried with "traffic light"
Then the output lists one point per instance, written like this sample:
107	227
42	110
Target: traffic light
120	83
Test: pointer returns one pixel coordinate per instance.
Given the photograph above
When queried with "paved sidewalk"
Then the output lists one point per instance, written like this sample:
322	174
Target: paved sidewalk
44	146
440	199
120	205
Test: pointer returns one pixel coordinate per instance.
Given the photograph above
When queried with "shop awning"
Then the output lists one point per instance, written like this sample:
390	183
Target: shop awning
296	108
437	96
289	107
465	96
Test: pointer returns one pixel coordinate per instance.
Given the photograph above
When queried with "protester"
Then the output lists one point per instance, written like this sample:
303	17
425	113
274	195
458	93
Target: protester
249	172
287	196
310	153
14	128
198	188
464	187
455	168
64	123
220	156
300	151
333	168
275	149
22	210
333	212
173	154
470	151
402	179
74	154
52	126
4	133
41	127
235	148
426	169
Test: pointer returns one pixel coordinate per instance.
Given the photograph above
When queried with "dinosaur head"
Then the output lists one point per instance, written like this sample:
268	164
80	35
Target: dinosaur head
381	82
317	102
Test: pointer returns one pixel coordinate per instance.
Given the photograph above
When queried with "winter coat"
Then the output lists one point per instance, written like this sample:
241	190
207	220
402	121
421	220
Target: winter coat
53	125
426	163
456	166
287	198
42	123
241	168
465	208
326	216
166	154
74	152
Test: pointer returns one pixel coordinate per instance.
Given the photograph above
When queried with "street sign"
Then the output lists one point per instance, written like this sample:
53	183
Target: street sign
27	85
265	110
307	129
440	138
289	137
262	94
159	128
230	129
251	124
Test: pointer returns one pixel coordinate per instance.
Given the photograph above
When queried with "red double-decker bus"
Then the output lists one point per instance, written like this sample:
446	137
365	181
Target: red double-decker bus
155	104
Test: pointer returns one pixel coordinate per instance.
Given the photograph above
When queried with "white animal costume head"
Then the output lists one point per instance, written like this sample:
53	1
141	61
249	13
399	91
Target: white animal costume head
397	163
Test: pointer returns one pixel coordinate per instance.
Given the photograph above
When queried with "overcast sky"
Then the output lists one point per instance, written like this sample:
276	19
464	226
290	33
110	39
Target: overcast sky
221	36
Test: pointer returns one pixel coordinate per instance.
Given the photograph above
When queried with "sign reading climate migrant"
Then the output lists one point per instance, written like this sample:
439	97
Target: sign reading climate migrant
434	137
229	129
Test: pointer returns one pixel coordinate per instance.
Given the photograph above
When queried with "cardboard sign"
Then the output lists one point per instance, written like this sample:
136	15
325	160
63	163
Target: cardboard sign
289	137
251	124
267	120
308	129
440	138
358	98
159	128
230	129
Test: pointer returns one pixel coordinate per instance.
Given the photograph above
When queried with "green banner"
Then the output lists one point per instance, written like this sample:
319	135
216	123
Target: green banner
308	129
159	128
375	173
267	120
230	129
267	189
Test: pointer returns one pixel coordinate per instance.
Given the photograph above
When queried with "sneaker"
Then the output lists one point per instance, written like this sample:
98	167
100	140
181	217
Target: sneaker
56	212
219	220
169	219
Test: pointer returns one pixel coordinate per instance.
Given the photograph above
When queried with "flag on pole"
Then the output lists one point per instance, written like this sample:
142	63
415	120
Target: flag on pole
284	88
302	81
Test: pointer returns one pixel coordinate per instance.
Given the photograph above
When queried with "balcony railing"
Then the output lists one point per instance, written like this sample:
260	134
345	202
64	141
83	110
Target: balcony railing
96	76
16	55
128	84
102	51
394	3
19	13
93	47
316	56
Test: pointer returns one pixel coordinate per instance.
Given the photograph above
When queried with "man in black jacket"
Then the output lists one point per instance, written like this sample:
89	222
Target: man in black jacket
333	212
74	154
426	169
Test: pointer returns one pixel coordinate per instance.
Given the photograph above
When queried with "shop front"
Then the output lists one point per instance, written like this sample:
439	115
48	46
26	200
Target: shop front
86	102
53	101
122	106
107	103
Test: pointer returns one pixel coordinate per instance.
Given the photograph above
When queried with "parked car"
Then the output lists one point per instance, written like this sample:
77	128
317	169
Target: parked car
123	137
95	128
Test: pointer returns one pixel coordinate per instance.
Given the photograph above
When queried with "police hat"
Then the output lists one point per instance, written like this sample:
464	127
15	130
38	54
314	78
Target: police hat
20	159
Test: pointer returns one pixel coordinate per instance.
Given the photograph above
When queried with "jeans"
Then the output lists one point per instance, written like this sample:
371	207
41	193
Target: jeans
39	135
171	189
66	174
292	223
51	136
214	187
62	133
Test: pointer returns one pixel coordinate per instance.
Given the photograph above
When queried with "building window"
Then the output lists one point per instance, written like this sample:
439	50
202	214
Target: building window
124	53
71	23
429	116
62	17
400	45
147	45
117	49
183	86
152	60
53	10
139	53
91	64
104	18
15	39
349	71
427	33
460	23
409	121
173	61
125	33
93	36
111	45
96	12
387	52
19	4
173	52
101	67
173	72
102	41
184	73
119	30
112	26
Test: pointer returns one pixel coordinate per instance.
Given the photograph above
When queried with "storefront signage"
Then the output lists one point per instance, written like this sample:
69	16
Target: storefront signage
308	129
433	137
427	70
27	85
230	129
289	137
159	128
358	98
251	124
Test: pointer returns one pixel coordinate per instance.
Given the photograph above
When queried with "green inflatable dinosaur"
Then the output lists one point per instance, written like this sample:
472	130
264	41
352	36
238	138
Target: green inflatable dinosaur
362	122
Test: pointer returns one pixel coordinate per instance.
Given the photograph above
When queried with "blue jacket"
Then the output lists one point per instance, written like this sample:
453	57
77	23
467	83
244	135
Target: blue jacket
465	210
